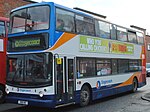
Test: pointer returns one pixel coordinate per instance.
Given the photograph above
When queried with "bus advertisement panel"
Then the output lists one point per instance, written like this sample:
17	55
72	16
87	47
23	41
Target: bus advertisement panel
60	56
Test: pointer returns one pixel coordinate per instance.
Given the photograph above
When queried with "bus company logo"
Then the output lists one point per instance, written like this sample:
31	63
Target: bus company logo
24	90
103	82
98	85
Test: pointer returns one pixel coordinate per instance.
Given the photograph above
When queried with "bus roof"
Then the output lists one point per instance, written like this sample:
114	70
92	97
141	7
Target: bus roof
72	10
53	4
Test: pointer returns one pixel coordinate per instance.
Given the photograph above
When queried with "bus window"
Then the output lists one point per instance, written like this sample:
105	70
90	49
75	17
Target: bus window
103	67
84	25
134	65
34	18
2	29
132	37
123	66
104	30
18	21
114	66
64	20
38	18
140	38
113	31
86	67
121	34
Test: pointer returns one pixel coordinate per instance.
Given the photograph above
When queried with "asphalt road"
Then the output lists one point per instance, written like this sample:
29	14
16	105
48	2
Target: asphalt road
126	102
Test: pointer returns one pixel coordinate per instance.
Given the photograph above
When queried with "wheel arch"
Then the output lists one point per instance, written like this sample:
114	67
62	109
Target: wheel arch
135	77
90	88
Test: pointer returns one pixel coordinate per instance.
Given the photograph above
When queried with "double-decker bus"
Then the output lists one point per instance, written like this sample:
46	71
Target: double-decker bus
4	23
59	56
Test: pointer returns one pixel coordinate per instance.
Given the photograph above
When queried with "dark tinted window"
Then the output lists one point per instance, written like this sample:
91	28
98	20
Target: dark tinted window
86	67
30	70
132	37
123	66
103	67
121	34
65	20
84	25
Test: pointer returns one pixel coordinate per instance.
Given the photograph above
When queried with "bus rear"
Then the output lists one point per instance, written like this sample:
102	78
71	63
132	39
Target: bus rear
4	22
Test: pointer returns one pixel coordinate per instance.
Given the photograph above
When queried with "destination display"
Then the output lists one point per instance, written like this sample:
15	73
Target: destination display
27	42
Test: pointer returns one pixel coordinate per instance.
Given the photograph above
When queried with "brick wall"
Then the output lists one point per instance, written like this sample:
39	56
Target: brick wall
147	40
7	5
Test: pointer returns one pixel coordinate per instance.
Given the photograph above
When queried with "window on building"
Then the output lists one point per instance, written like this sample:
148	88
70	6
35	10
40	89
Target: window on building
121	34
132	37
148	46
103	67
65	20
102	29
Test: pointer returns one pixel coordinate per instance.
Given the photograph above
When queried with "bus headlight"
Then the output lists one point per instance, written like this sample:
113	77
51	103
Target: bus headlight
7	90
41	94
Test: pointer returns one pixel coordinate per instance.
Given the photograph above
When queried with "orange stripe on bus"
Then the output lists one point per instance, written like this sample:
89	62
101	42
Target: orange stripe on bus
63	39
130	80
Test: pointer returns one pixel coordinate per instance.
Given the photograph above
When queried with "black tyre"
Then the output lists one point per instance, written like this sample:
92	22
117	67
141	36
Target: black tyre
134	85
2	94
85	96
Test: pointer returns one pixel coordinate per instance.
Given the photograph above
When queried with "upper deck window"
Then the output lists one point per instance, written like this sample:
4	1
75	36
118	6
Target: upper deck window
84	25
132	37
102	29
2	28
140	38
65	20
30	19
113	31
121	34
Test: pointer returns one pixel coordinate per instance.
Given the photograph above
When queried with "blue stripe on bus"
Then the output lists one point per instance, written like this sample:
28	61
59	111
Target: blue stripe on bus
50	101
107	91
57	35
33	100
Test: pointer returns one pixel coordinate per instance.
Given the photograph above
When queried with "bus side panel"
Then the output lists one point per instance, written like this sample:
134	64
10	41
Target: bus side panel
111	89
3	62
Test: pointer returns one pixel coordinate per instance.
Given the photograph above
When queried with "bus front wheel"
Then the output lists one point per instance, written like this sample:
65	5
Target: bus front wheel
134	85
2	94
84	96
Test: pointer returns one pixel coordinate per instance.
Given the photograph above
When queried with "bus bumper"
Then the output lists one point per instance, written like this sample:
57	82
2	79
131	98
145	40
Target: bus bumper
30	102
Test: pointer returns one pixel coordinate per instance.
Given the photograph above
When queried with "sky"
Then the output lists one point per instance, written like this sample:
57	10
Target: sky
121	12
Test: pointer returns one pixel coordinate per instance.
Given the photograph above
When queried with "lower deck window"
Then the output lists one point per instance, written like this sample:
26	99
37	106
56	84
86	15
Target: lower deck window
89	67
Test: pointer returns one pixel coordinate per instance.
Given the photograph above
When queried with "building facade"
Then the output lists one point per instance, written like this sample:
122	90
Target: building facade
7	5
147	42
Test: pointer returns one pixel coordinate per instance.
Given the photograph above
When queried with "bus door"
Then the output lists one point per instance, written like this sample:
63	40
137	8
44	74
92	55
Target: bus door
70	68
64	80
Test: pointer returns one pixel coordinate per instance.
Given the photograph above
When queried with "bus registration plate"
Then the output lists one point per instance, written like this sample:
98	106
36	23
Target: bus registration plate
22	102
